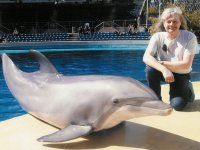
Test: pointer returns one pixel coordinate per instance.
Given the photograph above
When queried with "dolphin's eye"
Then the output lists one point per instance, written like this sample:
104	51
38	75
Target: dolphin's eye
116	101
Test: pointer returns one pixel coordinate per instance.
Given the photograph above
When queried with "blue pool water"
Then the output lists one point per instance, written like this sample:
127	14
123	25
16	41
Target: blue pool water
107	62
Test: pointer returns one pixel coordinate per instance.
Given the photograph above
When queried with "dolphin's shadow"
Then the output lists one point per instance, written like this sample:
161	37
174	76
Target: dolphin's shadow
133	135
194	106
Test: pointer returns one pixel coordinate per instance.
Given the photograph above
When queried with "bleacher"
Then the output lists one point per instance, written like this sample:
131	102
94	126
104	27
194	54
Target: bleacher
35	37
58	20
97	36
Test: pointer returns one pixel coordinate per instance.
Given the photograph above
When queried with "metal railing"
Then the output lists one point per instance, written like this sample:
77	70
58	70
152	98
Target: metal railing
63	26
4	29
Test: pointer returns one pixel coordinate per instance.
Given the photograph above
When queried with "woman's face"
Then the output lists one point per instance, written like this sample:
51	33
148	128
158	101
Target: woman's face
172	24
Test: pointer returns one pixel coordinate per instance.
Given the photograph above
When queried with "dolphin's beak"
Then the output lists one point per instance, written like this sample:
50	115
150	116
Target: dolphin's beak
147	105
159	107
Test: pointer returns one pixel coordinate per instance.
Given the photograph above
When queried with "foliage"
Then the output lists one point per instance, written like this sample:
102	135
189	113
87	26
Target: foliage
153	11
192	17
152	28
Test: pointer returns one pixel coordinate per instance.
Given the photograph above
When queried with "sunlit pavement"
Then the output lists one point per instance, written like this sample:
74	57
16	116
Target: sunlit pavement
178	131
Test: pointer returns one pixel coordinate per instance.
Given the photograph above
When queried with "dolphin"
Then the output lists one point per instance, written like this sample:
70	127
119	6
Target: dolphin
79	105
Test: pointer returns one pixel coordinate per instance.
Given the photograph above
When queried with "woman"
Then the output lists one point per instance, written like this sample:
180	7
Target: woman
169	58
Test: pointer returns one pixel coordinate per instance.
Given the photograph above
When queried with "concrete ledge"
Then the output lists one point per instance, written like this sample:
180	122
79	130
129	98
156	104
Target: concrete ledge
178	131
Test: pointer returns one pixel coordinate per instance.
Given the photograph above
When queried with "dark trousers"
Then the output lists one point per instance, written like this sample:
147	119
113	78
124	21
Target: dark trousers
179	90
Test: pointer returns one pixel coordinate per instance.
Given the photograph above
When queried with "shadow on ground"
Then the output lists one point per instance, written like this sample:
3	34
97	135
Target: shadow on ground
194	106
131	135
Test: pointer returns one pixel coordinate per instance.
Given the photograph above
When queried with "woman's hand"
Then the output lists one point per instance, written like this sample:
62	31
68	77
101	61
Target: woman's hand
168	75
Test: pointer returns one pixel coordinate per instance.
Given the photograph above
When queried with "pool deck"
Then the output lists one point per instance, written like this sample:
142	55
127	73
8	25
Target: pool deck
76	42
178	131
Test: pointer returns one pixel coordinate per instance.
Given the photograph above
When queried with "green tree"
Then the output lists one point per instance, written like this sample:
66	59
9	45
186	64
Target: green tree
192	17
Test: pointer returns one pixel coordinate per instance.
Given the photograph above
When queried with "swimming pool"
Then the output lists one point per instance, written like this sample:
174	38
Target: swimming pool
107	62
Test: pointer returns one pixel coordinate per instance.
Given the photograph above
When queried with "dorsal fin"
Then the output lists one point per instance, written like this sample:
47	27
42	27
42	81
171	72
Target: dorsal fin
45	65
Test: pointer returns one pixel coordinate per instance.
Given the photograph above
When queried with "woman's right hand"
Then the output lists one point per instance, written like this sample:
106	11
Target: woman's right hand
168	75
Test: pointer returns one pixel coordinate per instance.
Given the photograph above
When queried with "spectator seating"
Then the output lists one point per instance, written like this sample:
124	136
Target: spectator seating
114	36
36	37
97	36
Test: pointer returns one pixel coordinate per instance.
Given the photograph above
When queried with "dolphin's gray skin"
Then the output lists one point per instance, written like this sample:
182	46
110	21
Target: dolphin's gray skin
79	105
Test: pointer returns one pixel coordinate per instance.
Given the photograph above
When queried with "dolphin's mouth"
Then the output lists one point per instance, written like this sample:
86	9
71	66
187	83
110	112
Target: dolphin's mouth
149	110
151	107
162	112
167	111
158	107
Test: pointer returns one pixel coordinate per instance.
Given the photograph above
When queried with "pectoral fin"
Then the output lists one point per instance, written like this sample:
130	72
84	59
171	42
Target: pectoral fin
68	133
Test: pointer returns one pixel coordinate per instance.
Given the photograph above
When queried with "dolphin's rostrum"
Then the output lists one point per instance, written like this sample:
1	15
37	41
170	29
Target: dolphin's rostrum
79	105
